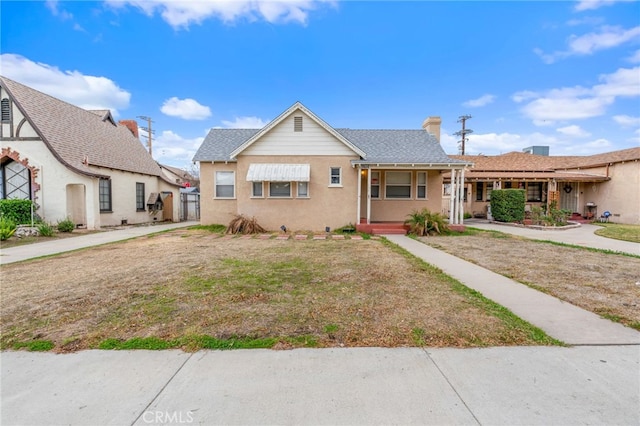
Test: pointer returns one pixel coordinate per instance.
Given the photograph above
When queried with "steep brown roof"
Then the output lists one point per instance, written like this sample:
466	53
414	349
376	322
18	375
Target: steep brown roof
78	137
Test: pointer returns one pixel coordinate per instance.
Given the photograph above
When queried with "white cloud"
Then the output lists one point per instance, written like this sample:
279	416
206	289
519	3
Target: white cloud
627	120
245	123
574	131
587	44
595	4
174	150
52	5
480	102
188	109
181	14
635	57
571	103
85	91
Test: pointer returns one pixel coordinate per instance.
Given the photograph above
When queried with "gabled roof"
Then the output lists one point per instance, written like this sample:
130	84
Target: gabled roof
291	110
401	147
78	137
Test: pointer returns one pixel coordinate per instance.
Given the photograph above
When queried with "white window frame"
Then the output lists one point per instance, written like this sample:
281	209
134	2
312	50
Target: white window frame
280	196
306	186
253	189
331	176
425	185
233	185
387	184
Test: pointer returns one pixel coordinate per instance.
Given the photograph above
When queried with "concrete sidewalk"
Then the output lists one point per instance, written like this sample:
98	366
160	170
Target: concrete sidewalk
584	235
558	319
355	386
47	248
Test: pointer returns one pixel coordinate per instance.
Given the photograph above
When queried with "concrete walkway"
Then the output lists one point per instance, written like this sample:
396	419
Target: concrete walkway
357	386
47	248
559	319
581	236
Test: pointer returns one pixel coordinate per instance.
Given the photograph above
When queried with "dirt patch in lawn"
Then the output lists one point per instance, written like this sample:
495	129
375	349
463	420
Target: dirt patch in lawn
194	283
604	283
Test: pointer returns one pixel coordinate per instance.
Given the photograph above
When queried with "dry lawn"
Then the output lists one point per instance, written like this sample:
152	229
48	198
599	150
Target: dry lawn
194	283
604	283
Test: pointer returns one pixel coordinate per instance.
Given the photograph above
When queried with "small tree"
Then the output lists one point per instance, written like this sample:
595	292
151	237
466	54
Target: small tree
507	205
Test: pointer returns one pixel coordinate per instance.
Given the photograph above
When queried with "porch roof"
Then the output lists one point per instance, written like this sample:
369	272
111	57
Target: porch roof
558	176
270	172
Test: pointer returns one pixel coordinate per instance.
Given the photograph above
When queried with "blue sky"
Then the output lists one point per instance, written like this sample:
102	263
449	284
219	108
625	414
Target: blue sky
560	73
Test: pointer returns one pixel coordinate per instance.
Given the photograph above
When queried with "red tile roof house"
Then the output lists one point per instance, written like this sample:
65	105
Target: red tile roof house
78	164
585	185
303	174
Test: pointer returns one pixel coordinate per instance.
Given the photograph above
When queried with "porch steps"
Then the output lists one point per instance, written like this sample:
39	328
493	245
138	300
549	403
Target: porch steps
381	228
383	231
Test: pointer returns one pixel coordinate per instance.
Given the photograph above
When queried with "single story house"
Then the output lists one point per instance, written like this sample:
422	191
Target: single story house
585	185
300	173
78	164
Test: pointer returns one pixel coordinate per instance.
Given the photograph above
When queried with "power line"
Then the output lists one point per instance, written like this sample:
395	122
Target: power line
149	131
464	132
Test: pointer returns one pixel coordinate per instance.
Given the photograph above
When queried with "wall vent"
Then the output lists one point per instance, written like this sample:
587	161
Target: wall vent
6	110
297	124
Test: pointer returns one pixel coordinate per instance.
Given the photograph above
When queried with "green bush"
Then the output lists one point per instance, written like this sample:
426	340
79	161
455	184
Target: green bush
19	211
66	225
7	228
45	229
507	205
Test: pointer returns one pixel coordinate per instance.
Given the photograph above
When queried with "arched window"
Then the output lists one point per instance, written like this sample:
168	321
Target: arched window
5	109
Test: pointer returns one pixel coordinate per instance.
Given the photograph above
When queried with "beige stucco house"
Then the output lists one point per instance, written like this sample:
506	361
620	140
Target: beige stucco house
585	185
78	164
303	174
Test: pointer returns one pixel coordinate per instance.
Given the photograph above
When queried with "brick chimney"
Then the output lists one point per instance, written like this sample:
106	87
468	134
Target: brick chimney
432	125
132	125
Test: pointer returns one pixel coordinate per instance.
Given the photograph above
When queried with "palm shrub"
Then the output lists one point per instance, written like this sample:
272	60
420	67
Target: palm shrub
66	225
7	228
424	222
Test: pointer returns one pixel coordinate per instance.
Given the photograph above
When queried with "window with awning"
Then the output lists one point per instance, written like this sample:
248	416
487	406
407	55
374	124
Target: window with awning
278	173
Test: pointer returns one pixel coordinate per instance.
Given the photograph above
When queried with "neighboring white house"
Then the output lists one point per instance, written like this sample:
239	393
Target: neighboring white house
78	164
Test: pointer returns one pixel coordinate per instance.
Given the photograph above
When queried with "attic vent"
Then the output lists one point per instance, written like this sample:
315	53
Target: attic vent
6	110
297	124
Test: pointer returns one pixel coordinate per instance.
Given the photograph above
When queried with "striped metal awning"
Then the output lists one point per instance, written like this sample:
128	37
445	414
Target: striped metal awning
278	173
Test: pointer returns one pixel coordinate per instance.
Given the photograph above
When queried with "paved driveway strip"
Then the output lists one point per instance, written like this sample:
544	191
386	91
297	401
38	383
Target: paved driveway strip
355	386
559	319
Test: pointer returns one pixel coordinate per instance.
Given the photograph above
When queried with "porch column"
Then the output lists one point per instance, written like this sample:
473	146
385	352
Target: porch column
461	200
357	222
452	195
369	196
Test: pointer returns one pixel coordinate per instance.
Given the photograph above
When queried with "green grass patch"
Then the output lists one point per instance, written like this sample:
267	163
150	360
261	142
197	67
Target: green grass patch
35	345
595	250
215	229
417	334
618	231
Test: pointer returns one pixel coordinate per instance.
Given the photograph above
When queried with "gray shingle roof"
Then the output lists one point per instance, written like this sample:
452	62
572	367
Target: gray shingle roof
398	146
75	135
380	146
220	143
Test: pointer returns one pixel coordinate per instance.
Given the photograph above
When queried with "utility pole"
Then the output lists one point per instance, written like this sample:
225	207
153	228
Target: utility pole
149	131
464	132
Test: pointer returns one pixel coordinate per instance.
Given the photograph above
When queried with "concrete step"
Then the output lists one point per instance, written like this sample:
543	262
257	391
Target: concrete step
395	231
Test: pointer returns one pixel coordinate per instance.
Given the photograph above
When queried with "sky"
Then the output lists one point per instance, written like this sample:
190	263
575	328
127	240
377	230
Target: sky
563	74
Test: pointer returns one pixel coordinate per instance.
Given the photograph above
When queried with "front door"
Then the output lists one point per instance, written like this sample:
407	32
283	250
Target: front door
569	196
